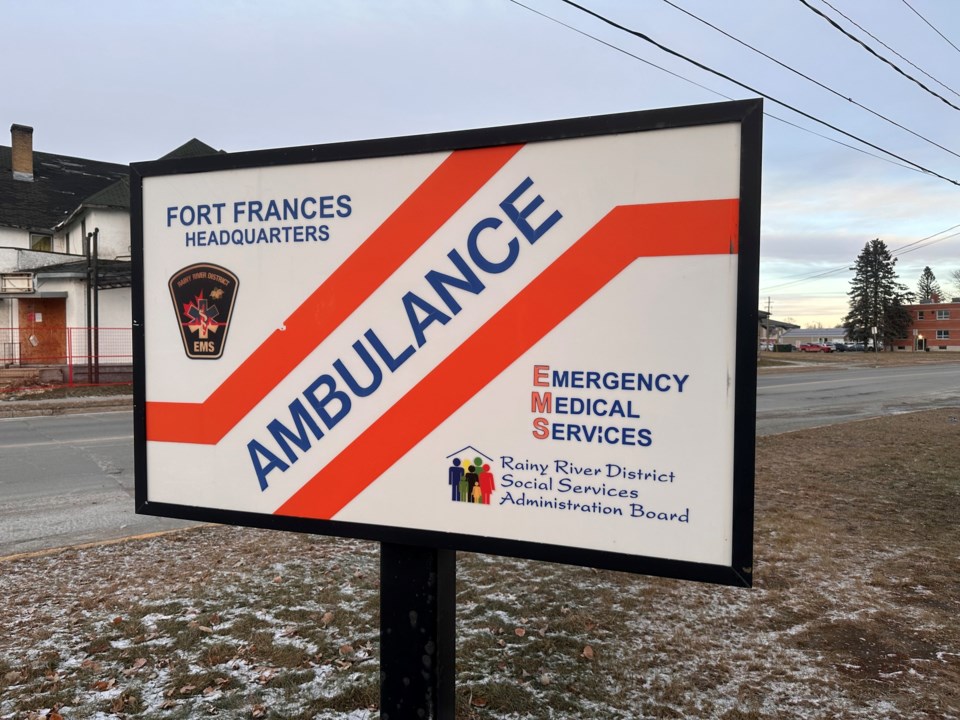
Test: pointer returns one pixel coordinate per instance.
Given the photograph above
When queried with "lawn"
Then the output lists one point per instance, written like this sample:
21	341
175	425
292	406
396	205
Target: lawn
853	614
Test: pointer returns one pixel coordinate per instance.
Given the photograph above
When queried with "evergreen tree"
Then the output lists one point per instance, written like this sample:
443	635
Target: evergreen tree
928	289
877	299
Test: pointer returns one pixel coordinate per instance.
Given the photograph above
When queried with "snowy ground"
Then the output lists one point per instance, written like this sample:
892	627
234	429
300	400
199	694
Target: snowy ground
854	613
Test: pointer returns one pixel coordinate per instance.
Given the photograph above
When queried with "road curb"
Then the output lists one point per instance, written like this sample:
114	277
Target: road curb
67	406
31	554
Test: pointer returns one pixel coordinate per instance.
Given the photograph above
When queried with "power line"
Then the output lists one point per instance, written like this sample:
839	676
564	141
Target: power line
807	115
620	49
932	242
900	249
846	145
808	278
906	60
896	252
930	24
877	55
716	92
810	79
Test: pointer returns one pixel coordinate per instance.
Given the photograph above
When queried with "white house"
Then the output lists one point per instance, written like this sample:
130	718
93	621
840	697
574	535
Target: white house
64	254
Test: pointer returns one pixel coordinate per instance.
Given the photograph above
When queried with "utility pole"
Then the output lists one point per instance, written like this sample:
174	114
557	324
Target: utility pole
766	329
93	307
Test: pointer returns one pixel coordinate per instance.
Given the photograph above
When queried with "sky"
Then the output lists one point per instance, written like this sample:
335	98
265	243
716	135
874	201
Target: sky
126	81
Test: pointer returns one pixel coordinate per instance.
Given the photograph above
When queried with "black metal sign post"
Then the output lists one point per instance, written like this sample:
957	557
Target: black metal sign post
417	632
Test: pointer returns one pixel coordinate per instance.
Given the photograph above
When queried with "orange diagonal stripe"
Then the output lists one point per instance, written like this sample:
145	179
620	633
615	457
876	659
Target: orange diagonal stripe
625	234
444	192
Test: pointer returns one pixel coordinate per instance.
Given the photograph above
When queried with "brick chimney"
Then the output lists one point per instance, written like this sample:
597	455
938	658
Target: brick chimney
22	152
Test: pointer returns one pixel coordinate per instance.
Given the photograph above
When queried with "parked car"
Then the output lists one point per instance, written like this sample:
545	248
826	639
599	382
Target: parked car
856	347
815	347
839	347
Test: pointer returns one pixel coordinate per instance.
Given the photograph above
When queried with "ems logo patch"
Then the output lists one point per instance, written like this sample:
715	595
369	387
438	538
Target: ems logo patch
203	296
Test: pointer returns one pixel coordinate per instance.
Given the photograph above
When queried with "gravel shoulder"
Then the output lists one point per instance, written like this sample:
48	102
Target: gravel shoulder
63	400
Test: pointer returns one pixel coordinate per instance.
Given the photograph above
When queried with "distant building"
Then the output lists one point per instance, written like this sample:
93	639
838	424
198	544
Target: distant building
934	326
770	330
801	336
51	209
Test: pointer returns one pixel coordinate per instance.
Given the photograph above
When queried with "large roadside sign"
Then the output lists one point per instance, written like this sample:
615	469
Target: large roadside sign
535	340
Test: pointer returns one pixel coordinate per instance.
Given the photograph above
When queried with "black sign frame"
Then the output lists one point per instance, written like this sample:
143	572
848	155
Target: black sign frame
748	113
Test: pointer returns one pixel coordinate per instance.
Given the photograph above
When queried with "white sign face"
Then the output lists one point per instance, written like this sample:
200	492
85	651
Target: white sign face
534	342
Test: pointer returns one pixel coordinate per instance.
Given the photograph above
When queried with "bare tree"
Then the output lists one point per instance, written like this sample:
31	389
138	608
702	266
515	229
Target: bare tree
955	280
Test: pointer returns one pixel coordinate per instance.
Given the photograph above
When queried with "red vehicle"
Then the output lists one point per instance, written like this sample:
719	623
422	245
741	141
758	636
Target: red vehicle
816	347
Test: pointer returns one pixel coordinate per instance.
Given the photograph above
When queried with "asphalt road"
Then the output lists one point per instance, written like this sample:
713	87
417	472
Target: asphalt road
68	479
794	400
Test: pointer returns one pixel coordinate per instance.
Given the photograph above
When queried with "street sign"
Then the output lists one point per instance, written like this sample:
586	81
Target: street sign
534	340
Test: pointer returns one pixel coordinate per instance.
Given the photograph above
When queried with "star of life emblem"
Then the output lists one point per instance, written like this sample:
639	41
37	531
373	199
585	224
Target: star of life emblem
203	297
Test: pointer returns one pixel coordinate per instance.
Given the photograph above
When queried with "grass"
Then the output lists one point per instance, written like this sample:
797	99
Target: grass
60	392
853	614
846	359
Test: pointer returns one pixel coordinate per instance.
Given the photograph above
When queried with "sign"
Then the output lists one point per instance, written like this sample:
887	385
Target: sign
535	340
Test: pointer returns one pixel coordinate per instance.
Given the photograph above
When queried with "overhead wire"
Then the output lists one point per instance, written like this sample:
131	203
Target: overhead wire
798	281
928	237
619	49
932	242
816	82
718	73
905	249
916	244
896	252
911	166
861	43
677	75
930	24
840	142
906	60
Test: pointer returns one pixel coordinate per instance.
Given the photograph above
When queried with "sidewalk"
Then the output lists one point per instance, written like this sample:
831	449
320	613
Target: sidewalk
22	407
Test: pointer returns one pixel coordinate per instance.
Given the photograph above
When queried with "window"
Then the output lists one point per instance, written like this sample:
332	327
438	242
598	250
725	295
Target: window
943	334
920	314
41	242
16	283
943	314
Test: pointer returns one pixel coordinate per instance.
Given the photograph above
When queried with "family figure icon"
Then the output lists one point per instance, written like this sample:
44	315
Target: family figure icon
470	481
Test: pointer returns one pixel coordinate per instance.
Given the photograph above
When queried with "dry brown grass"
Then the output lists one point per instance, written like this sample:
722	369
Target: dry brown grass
854	613
848	359
61	392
